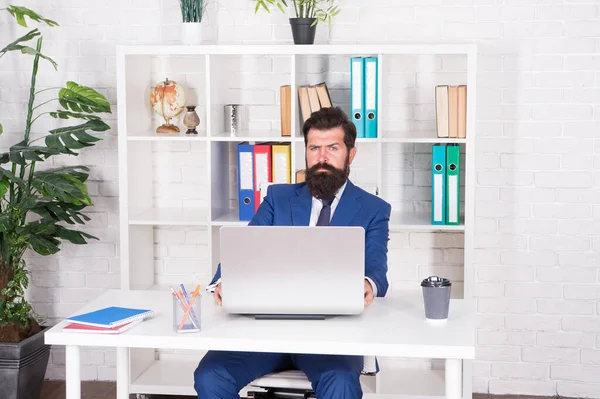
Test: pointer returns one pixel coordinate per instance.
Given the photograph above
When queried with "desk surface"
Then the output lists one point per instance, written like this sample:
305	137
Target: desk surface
391	326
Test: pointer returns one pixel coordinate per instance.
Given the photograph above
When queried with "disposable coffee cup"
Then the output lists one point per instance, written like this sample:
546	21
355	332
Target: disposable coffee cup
436	297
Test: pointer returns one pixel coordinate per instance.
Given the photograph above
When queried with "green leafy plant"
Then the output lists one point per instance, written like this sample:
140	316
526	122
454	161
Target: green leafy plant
321	10
37	207
192	10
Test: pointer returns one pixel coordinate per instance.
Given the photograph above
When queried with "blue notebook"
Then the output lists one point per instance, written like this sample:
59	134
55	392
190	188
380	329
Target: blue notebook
110	317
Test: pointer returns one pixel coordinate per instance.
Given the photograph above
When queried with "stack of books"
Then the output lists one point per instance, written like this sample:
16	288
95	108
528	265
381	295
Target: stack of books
110	320
451	111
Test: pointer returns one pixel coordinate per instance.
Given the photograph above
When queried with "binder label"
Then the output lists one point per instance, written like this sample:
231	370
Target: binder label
438	200
371	74
262	169
245	171
452	199
357	85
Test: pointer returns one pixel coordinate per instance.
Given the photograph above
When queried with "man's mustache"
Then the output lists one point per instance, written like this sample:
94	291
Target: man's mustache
325	166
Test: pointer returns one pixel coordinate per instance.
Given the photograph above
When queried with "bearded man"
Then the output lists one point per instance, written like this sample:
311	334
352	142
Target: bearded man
326	198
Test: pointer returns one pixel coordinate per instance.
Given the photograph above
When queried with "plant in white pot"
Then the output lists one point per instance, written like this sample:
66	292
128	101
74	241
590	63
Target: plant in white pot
308	13
39	205
192	14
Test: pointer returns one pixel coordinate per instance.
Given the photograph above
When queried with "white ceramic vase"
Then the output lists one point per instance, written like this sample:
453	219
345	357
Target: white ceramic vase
191	33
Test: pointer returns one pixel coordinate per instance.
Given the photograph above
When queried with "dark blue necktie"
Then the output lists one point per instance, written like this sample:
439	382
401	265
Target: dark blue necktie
325	214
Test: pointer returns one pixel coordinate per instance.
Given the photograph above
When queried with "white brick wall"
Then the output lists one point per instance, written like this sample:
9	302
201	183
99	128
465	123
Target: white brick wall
537	254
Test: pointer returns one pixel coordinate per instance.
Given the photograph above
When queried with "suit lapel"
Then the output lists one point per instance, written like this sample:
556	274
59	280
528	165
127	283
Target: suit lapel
348	206
301	206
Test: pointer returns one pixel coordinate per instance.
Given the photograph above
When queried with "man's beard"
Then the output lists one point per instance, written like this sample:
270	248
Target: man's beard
326	184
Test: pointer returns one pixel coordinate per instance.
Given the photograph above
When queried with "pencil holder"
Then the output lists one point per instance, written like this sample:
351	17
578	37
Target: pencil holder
186	314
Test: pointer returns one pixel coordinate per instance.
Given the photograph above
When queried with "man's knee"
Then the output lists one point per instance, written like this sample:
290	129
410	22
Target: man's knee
214	381
339	383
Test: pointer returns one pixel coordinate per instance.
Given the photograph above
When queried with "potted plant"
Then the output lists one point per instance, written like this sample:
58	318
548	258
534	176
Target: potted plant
192	13
37	207
308	13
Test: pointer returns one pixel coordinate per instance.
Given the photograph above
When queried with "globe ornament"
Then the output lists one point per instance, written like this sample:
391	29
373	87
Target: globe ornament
167	100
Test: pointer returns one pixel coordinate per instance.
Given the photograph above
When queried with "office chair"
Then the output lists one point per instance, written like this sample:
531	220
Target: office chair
293	384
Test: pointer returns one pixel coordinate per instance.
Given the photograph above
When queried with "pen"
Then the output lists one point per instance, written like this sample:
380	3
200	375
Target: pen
183	290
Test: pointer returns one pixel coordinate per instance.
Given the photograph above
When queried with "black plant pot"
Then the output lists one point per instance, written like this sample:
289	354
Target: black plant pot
23	367
302	31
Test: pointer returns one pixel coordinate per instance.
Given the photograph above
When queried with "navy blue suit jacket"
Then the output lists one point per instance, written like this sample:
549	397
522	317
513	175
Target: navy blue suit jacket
291	204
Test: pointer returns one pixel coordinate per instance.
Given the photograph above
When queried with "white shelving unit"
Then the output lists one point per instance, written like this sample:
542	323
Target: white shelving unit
181	189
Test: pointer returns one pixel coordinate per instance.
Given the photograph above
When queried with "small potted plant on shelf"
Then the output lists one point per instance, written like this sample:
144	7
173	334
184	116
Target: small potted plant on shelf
37	206
192	13
308	13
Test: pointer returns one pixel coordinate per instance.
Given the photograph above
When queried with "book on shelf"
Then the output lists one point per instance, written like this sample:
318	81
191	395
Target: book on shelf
285	100
451	111
112	316
312	98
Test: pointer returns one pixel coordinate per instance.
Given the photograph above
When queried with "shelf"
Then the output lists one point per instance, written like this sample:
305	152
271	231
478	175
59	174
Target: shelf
166	377
209	167
398	221
273	136
152	136
289	49
176	377
171	216
407	140
426	140
419	222
226	137
229	219
358	140
425	136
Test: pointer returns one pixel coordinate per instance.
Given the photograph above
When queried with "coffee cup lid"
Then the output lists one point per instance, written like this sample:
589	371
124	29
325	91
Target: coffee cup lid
435	281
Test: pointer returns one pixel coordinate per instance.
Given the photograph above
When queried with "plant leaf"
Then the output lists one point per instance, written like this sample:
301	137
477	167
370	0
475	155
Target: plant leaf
13	46
82	98
1	128
27	203
7	174
32	51
66	139
44	244
60	211
74	236
261	3
4	221
21	12
4	184
72	170
60	114
20	153
62	186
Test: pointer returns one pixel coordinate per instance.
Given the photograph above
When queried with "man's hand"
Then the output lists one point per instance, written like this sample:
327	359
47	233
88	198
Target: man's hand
218	297
368	293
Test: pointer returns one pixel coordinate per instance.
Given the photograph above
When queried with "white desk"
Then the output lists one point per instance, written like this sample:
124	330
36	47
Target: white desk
392	326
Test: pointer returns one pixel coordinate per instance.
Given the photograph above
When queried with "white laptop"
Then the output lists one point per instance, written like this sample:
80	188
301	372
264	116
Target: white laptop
292	271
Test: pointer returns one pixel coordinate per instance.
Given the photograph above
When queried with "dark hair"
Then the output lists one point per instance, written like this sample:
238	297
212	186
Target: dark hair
329	118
